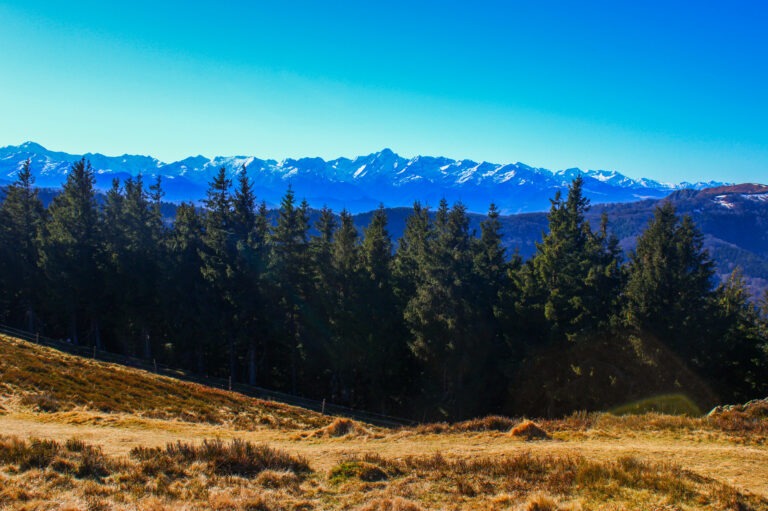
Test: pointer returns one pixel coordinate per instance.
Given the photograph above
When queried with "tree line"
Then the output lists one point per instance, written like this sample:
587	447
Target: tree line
443	323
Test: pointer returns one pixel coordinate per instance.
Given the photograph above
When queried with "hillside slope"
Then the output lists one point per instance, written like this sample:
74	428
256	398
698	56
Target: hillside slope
50	381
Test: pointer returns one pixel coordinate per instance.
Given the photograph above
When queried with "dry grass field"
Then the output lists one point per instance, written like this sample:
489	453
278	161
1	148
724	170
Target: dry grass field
82	435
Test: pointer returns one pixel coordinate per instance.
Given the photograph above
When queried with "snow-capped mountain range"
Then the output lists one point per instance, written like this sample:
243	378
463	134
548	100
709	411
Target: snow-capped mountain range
359	184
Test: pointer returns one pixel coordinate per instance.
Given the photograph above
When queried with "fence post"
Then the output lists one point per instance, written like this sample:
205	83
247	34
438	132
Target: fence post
94	352
323	409
230	382
154	361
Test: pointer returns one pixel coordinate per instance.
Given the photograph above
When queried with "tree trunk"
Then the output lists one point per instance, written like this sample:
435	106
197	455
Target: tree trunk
146	342
252	372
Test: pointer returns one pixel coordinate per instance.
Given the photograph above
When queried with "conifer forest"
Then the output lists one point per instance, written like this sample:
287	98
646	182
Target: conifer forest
442	324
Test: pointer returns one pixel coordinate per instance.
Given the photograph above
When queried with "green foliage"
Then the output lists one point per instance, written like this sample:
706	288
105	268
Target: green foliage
72	255
669	287
21	217
574	278
448	324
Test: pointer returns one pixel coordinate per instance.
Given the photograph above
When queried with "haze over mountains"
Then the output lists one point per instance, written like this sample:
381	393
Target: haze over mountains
358	184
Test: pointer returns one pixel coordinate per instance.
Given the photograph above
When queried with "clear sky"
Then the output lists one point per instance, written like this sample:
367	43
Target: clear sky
668	90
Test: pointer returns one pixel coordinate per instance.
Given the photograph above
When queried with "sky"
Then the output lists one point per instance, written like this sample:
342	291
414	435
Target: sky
674	91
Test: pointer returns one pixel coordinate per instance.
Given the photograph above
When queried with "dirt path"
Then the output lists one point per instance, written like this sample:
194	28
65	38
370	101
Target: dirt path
745	467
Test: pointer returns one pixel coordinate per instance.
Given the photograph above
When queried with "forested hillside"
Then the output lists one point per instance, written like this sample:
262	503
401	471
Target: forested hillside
446	324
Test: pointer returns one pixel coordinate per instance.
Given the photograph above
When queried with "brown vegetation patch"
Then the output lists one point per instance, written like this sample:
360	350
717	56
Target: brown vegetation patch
237	457
530	431
341	427
395	504
540	502
536	478
489	423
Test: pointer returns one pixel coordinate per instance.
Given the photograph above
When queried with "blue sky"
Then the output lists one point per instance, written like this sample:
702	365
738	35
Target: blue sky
668	90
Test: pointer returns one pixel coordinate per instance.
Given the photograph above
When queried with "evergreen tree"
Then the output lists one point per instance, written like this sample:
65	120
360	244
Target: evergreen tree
390	365
575	276
218	259
347	351
412	250
321	306
189	315
289	270
21	215
440	315
71	255
734	359
669	289
247	294
494	314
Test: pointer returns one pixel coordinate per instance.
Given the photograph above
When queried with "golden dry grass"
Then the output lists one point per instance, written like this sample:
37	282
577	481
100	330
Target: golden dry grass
169	461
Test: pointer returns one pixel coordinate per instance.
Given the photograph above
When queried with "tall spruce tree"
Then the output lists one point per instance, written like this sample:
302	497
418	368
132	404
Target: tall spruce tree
734	359
189	315
289	270
21	215
575	275
247	298
71	255
669	289
347	350
218	259
390	366
440	315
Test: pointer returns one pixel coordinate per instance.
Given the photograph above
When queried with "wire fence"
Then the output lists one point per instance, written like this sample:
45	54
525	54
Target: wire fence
220	383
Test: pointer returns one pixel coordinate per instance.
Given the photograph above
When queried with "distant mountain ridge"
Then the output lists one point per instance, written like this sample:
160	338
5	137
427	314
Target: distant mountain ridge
358	184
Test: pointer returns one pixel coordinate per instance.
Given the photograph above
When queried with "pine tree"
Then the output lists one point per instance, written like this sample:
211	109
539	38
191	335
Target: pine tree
347	352
289	270
492	304
412	250
71	254
389	367
734	358
22	214
188	309
574	276
669	288
218	259
439	315
247	294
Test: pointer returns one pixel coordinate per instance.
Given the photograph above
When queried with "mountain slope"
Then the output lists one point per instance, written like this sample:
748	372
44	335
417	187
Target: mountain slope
358	184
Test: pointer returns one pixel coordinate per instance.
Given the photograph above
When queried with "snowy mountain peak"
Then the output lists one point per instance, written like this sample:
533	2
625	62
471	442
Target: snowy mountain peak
359	184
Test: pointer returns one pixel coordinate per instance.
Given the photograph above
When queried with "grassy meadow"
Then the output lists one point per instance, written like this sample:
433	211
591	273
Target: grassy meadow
77	434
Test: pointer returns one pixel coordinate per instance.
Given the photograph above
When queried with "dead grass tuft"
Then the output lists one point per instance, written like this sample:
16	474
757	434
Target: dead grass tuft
530	431
392	504
42	402
237	457
540	502
341	427
276	479
490	423
354	469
